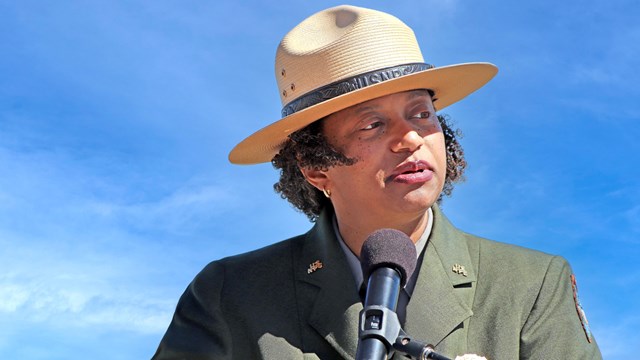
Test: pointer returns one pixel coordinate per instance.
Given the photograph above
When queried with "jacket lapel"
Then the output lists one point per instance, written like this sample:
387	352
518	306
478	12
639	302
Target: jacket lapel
328	297
443	296
441	300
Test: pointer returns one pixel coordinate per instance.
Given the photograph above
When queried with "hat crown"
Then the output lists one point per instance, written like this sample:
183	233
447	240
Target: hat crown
339	43
344	56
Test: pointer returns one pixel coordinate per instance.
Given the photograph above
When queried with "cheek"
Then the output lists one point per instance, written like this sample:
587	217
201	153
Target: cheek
358	151
438	149
442	148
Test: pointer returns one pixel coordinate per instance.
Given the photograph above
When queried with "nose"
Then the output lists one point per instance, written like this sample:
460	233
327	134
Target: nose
405	138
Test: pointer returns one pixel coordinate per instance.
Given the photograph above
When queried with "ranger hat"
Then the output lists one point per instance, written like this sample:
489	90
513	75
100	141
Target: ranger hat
344	56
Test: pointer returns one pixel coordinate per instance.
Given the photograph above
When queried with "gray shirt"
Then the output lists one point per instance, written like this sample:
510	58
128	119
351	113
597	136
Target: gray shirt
356	269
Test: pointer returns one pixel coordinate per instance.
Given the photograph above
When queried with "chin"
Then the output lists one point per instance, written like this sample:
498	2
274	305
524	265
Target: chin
424	196
418	203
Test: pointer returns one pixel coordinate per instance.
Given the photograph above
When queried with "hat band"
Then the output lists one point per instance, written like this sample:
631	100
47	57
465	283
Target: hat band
344	86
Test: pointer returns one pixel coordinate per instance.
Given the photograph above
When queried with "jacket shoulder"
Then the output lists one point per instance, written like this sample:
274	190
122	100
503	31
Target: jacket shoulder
518	274
254	268
274	253
511	259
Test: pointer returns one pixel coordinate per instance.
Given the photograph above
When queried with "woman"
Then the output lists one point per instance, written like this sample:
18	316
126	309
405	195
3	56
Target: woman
360	148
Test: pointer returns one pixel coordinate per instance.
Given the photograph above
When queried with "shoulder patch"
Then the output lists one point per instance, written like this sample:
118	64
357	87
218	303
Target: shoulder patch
581	314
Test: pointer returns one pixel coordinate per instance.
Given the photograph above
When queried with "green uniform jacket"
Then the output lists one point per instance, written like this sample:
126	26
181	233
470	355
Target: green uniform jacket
513	303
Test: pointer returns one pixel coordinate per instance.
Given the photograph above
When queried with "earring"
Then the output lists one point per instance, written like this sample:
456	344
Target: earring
326	192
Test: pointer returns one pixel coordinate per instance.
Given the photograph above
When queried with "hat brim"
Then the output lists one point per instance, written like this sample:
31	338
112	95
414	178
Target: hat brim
450	84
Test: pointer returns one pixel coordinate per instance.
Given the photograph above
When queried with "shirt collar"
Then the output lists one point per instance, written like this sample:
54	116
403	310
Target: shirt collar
354	262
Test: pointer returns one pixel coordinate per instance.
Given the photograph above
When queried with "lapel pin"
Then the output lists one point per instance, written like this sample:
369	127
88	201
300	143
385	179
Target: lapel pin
459	269
314	266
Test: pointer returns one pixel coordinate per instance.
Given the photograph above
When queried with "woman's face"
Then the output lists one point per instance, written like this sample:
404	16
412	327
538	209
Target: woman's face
400	157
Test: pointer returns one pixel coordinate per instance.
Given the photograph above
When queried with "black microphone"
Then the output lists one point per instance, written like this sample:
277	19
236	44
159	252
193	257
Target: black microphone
388	258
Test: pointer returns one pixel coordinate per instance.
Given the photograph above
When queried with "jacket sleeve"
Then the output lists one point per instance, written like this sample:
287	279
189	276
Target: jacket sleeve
554	329
198	329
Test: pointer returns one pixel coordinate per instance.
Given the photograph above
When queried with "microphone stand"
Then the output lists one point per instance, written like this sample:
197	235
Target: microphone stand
379	331
391	335
416	349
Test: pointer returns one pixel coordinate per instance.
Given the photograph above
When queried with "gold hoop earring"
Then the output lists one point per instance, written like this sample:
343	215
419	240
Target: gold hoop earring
326	193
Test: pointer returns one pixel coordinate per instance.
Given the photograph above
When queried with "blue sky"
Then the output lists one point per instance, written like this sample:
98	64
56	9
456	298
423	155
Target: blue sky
116	118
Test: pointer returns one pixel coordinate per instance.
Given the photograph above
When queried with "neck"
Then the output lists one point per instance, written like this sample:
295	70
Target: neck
355	229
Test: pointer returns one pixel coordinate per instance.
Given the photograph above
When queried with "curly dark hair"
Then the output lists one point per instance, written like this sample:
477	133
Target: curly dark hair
309	148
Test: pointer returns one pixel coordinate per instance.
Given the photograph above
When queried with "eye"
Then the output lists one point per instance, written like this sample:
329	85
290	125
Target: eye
422	115
372	125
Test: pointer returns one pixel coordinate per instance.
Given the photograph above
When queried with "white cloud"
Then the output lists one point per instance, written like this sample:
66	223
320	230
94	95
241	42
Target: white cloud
75	243
12	297
181	211
56	297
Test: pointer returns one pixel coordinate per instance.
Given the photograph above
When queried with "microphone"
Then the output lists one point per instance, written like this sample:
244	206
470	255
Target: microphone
388	259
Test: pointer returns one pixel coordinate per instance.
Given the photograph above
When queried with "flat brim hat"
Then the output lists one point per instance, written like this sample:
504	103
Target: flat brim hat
344	56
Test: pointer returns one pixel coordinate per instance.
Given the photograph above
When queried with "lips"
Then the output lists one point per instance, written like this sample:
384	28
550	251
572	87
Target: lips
412	172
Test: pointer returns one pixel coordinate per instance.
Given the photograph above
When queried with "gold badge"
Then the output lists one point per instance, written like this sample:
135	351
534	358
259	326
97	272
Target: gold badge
459	269
314	266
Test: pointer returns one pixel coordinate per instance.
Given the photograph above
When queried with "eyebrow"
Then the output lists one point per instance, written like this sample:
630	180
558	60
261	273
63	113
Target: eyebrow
418	93
363	109
412	95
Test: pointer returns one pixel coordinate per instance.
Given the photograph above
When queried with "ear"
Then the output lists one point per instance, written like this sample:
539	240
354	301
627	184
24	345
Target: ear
317	178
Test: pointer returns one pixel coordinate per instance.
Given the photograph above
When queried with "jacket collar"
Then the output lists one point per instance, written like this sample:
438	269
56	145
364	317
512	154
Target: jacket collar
332	302
443	296
441	299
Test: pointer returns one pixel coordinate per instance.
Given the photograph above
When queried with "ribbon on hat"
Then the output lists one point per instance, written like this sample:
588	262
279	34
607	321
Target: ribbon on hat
344	86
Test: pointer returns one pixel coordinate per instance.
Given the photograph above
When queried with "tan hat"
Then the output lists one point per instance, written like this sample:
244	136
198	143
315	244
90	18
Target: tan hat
346	55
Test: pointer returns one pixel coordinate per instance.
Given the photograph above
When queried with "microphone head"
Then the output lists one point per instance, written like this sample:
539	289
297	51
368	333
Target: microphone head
388	248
